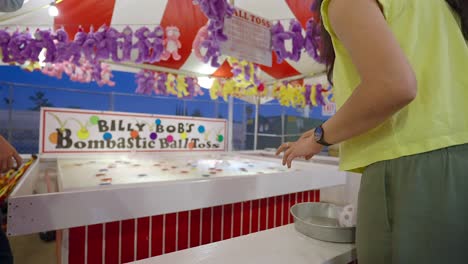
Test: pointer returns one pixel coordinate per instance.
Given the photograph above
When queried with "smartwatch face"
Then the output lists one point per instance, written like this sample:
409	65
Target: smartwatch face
318	133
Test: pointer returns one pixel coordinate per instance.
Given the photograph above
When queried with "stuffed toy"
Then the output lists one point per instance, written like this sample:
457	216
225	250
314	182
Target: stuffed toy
295	30
68	67
89	45
172	44
215	10
212	52
198	90
181	86
31	51
278	38
157	46
61	43
312	40
170	85
4	40
257	81
76	46
193	87
145	82
157	88
143	44
112	35
300	99
78	75
125	43
161	83
18	42
46	41
228	89
53	70
318	94
307	93
201	36
102	49
215	90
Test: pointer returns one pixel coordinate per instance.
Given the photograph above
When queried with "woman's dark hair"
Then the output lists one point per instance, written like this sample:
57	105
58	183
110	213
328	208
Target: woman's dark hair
328	53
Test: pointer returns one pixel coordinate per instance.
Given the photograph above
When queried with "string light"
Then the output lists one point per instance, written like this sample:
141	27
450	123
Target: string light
205	82
53	10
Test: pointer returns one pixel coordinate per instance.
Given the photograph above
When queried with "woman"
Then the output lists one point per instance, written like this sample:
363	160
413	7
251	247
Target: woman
8	158
399	72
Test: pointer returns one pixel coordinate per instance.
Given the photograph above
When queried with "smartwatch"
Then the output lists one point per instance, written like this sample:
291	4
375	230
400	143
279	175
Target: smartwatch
319	135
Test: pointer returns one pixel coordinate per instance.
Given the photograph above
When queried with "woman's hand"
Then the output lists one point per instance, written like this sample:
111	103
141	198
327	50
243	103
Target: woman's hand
8	155
305	147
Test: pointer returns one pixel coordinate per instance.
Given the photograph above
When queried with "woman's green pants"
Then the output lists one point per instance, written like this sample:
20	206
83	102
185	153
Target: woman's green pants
414	209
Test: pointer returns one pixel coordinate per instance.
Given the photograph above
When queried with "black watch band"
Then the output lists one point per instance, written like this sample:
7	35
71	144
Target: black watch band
319	135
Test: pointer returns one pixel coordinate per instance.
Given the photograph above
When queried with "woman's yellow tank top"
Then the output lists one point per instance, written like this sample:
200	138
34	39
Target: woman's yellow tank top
429	34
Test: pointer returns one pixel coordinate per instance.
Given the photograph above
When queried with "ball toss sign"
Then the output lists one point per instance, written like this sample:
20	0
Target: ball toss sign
82	131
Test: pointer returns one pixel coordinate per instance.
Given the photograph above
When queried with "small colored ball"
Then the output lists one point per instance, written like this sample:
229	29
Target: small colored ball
220	138
53	138
158	122
94	120
83	134
201	129
134	134
170	138
107	136
153	136
183	135
191	145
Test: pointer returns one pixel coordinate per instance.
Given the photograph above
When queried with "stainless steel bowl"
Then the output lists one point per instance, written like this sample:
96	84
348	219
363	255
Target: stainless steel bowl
320	221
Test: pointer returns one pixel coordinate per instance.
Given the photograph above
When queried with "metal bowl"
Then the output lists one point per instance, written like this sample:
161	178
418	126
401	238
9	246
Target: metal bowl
320	221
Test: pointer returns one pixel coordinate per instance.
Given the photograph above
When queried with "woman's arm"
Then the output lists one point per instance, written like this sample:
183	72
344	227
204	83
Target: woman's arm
387	83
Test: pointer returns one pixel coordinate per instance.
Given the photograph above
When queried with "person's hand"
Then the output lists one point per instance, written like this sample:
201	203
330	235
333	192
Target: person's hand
8	155
305	147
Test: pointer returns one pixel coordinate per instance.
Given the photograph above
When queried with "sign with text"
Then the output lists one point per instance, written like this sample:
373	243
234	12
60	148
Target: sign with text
329	109
81	131
249	38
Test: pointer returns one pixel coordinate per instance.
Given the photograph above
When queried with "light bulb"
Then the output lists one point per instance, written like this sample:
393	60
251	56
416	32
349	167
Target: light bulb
205	82
53	10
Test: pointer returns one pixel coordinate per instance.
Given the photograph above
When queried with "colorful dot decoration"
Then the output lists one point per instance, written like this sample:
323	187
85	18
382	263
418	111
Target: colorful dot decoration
191	145
94	120
83	134
170	138
183	135
153	136
134	134
53	137
201	129
158	122
220	138
107	136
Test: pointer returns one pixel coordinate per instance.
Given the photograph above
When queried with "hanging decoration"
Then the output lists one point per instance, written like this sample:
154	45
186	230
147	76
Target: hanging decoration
172	44
313	40
295	29
90	48
84	72
216	11
310	42
149	82
278	39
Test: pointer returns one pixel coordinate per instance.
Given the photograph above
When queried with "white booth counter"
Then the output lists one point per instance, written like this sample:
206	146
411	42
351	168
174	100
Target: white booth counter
275	246
79	190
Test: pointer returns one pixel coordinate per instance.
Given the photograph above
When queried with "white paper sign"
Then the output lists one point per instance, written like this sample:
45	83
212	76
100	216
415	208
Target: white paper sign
81	131
249	38
329	109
